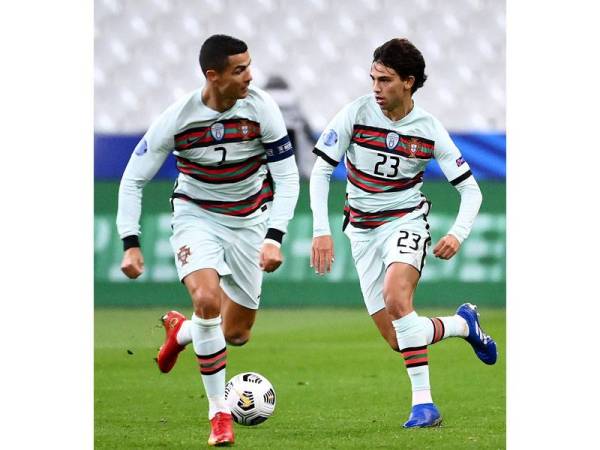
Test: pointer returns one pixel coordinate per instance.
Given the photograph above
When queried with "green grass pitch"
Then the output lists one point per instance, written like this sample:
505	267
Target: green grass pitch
338	385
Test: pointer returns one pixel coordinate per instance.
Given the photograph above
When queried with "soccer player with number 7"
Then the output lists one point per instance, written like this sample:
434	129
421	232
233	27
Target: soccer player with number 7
235	194
387	141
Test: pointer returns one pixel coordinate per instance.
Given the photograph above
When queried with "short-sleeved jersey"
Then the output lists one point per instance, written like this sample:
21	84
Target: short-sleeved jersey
385	159
221	157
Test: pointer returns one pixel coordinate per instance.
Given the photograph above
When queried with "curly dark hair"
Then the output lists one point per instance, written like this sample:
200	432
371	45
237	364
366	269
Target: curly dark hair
216	50
406	59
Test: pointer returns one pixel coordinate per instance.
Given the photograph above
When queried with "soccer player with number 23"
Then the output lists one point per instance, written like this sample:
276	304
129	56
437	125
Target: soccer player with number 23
387	141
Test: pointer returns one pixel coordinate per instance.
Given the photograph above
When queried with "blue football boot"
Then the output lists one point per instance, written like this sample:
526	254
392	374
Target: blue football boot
484	345
424	415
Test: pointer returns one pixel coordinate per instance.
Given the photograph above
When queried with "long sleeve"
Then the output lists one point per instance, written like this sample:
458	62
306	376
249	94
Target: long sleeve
287	189
319	195
282	166
139	170
148	156
459	174
470	201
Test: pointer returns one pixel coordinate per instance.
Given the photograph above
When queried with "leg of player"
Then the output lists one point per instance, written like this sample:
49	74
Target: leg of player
399	285
435	328
237	324
464	324
237	321
209	345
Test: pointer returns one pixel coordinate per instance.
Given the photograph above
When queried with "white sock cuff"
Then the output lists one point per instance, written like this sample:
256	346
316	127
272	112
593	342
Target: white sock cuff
404	324
421	396
217	404
207	323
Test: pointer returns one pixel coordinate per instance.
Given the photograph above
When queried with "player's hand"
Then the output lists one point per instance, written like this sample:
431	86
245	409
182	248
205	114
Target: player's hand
133	262
447	247
270	257
322	255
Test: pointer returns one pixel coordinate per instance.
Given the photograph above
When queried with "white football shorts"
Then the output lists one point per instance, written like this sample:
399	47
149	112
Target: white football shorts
403	240
202	243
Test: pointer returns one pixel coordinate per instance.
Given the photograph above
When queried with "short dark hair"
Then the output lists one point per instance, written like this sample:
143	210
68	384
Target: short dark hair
216	49
402	56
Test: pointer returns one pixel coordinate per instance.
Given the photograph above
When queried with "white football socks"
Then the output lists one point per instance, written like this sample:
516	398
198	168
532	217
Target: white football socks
438	328
413	346
211	351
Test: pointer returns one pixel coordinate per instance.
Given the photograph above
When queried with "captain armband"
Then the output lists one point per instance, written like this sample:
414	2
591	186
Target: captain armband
280	149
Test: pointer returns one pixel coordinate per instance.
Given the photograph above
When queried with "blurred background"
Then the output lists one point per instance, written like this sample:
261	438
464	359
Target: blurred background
314	57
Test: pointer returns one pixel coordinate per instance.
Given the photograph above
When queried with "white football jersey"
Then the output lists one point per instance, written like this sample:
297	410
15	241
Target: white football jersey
221	158
385	159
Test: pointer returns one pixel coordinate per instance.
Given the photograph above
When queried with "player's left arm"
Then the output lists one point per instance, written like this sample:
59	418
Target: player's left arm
282	167
459	174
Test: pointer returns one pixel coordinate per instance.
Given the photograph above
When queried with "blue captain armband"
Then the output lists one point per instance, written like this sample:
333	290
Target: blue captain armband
278	150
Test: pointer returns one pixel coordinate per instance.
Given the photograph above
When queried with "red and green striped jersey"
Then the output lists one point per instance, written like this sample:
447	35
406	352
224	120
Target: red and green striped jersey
386	159
224	173
218	133
222	159
239	208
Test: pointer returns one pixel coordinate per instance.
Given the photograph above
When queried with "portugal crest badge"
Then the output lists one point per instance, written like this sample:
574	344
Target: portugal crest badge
391	140
244	128
413	147
217	130
183	254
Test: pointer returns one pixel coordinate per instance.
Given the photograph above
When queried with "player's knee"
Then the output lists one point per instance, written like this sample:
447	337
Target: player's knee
207	302
398	301
401	290
237	337
398	306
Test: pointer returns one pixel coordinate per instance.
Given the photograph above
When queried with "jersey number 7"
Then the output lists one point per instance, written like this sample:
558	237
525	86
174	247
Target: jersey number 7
224	150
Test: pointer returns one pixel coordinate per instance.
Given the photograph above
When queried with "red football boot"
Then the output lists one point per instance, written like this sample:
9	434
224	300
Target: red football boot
168	352
221	430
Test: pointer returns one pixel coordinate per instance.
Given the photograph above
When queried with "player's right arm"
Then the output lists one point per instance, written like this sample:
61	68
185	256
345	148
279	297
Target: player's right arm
330	149
147	157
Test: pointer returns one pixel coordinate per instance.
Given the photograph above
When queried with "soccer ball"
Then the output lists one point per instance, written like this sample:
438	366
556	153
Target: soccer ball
250	397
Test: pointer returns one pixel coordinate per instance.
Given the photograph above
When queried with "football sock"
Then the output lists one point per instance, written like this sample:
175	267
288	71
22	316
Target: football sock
210	349
438	328
184	335
413	346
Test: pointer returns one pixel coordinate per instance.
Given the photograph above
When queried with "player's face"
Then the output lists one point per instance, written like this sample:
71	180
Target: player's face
390	90
233	82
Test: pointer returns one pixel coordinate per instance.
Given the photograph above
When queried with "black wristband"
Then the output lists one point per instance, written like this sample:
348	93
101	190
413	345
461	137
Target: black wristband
130	242
275	234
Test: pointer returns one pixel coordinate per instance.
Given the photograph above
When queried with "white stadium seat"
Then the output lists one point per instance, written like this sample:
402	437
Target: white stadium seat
146	53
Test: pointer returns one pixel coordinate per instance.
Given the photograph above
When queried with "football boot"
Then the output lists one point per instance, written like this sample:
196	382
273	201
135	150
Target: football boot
221	430
424	415
483	345
168	352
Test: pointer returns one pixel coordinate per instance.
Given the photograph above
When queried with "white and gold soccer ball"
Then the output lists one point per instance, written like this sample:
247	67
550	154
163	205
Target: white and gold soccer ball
250	397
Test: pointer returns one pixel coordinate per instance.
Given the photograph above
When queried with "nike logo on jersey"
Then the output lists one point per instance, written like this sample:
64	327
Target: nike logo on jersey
191	141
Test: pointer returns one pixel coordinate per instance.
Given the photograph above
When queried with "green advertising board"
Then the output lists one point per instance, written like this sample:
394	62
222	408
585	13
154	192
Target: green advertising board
477	273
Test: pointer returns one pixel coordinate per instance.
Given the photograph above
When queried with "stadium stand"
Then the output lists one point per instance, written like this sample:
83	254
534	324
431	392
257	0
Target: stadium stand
145	52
